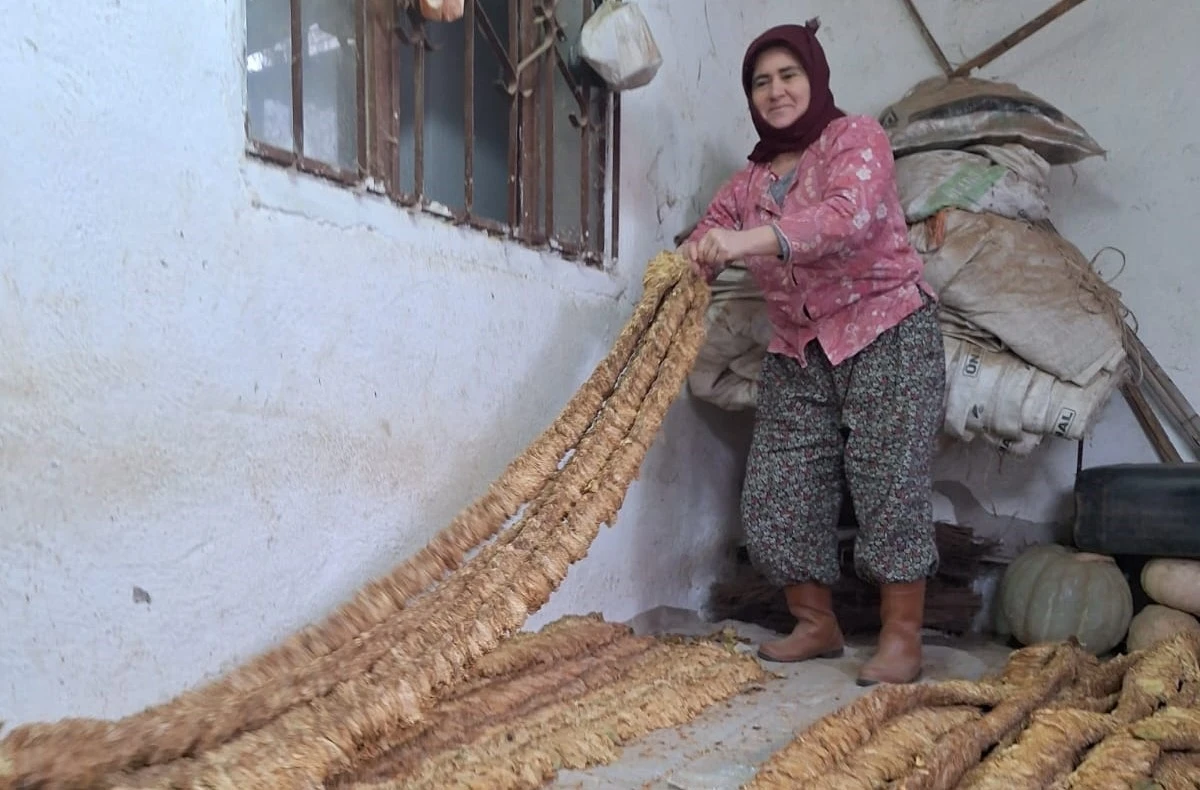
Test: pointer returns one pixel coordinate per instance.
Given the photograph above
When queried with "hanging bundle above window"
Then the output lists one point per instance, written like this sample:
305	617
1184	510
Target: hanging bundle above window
442	10
616	41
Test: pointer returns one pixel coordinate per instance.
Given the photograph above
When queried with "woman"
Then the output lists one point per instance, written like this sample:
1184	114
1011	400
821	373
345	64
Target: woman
816	218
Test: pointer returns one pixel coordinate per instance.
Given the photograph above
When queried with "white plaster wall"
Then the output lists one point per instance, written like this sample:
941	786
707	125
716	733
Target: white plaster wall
230	395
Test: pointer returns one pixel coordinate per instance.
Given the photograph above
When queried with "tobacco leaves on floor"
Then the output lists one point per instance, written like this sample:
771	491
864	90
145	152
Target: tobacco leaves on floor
337	692
1055	717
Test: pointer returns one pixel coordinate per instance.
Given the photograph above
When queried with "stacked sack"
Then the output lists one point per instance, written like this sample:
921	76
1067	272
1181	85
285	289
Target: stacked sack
1033	336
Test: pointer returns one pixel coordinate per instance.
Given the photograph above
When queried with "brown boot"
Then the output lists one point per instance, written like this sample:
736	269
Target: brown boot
816	634
898	658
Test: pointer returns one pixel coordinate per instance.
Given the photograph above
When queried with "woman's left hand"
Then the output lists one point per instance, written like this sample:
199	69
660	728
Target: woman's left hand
720	246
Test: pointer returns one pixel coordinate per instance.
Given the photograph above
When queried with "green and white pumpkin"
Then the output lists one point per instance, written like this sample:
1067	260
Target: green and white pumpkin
1052	593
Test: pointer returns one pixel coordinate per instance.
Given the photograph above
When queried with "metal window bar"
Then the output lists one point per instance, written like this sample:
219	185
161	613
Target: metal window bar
615	211
469	109
378	98
528	62
295	157
297	28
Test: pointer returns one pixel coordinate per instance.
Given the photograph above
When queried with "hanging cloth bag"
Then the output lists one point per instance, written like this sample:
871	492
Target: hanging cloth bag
616	41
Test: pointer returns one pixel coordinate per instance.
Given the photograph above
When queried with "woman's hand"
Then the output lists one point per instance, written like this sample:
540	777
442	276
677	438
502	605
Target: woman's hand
689	250
720	246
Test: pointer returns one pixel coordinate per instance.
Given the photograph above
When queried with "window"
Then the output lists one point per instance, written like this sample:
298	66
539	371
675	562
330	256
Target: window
491	121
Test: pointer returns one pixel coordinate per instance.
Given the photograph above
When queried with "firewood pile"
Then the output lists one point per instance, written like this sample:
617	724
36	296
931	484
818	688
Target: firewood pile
1054	717
951	602
343	694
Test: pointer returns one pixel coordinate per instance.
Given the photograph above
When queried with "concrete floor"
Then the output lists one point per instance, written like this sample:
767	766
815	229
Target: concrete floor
722	749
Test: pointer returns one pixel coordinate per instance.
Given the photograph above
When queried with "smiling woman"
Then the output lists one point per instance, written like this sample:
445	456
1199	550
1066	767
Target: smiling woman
816	218
780	90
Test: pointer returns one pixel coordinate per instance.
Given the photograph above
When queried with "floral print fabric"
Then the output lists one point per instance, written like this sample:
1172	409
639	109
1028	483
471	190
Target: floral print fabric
847	273
869	423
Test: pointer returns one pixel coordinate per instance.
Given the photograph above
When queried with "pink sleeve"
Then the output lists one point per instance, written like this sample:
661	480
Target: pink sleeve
860	171
722	212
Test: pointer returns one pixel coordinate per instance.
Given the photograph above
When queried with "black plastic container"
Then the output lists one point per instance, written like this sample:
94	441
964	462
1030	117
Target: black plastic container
1140	509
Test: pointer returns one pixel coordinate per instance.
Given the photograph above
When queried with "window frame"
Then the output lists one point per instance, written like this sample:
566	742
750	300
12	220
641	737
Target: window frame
531	137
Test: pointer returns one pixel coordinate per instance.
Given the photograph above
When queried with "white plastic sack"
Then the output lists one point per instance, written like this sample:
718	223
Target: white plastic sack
1005	180
727	366
1028	286
1013	405
616	41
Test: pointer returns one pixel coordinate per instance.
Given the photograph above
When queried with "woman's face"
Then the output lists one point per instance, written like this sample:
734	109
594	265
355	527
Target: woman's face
780	89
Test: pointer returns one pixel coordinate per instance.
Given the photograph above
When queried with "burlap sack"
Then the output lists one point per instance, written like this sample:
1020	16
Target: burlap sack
726	369
1026	285
965	111
954	324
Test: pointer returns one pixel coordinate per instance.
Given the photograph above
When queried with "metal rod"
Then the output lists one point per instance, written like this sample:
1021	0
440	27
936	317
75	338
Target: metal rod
527	100
573	86
418	106
469	108
297	79
396	181
1016	37
546	66
616	173
489	32
930	41
360	97
585	145
514	123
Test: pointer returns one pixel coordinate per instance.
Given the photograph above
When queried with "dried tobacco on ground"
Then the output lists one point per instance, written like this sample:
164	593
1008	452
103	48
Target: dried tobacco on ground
1055	717
348	692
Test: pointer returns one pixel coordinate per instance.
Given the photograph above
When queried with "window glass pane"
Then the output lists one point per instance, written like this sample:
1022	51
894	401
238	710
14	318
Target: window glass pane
269	72
443	140
330	82
568	137
492	108
445	149
405	106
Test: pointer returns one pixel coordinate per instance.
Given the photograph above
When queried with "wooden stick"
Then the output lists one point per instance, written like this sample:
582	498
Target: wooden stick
1174	401
1016	37
930	41
1150	424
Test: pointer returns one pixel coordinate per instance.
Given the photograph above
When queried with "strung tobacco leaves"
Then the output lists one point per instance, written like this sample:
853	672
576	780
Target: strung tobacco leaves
339	702
1055	717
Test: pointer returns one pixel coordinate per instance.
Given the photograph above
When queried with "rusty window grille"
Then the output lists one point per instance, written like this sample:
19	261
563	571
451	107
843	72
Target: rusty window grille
491	121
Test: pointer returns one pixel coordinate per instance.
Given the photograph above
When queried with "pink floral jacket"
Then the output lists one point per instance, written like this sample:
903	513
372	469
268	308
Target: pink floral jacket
847	273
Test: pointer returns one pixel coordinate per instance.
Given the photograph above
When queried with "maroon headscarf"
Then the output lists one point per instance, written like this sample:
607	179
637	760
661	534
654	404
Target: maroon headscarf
802	41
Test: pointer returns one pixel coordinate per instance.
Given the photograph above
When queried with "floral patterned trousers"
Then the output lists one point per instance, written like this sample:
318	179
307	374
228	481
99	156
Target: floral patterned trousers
869	423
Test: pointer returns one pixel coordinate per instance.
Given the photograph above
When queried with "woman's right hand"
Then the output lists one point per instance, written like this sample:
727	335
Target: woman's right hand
691	251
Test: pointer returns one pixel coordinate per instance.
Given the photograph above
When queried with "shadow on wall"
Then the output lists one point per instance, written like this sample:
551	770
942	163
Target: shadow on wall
1013	533
521	406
